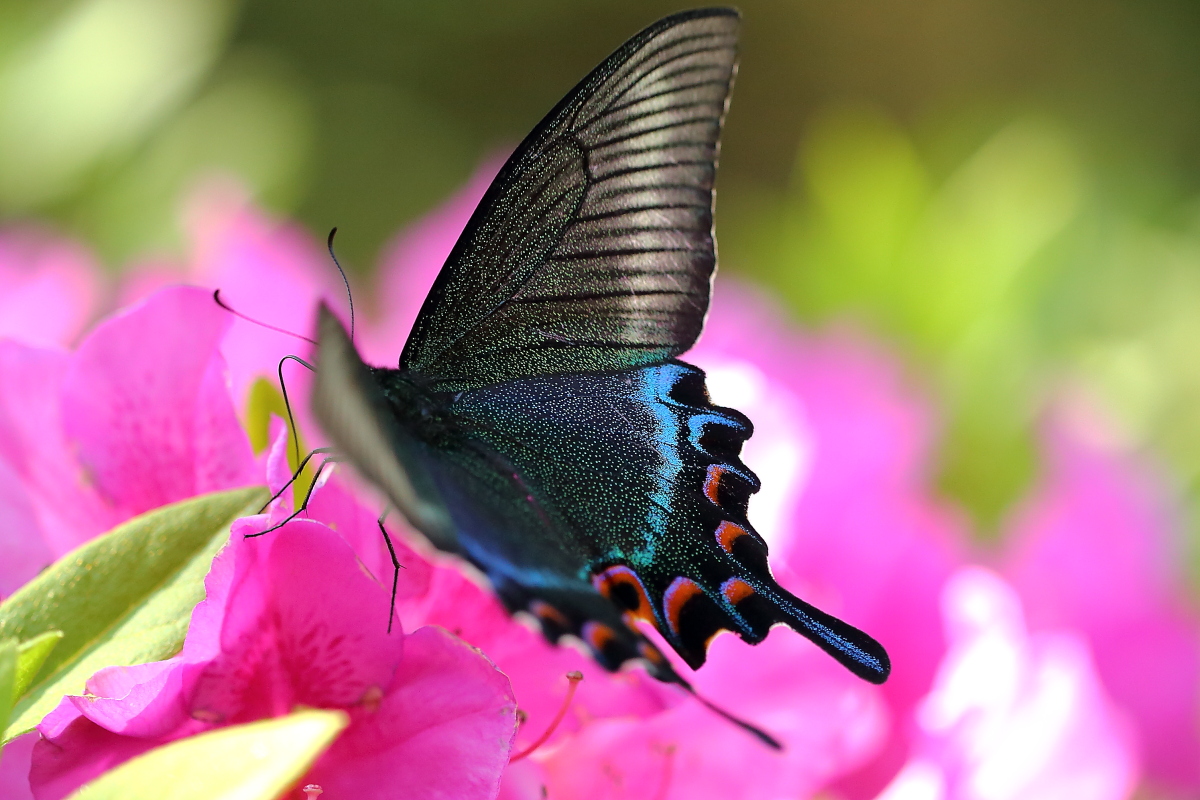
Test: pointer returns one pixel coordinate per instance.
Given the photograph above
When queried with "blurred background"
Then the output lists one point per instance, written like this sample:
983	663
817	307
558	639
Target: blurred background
1006	190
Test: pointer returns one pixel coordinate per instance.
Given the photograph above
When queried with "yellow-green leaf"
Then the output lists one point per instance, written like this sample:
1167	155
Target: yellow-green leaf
123	598
257	761
8	678
30	657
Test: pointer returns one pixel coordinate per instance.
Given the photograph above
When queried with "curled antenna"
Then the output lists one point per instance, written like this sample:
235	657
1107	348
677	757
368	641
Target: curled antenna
345	280
240	315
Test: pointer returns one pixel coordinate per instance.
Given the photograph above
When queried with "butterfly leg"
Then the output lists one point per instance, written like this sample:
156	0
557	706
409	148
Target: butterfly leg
396	566
295	476
307	496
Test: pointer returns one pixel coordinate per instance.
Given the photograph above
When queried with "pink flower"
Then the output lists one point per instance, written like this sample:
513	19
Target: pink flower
49	288
292	619
1092	550
843	447
1011	714
137	417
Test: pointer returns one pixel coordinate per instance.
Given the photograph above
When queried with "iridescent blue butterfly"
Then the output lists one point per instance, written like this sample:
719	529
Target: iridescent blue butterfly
539	424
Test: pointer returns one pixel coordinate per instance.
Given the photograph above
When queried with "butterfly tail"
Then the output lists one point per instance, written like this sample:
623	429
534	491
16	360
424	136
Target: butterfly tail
852	648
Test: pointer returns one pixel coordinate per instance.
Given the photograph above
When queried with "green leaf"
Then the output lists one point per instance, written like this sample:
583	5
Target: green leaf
8	678
258	761
18	664
30	657
123	598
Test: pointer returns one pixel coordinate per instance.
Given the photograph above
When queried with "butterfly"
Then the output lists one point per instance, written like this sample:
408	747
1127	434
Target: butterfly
539	423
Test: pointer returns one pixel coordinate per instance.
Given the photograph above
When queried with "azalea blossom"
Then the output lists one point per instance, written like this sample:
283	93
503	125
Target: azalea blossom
292	620
1094	550
1013	715
845	446
136	417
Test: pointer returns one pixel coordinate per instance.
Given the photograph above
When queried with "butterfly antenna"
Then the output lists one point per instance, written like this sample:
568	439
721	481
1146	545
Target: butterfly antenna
287	403
261	324
345	280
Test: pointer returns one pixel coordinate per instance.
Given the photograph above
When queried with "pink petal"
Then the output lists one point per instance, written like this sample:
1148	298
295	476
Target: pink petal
32	444
443	729
1093	550
141	403
49	288
271	272
14	768
145	701
1013	716
304	623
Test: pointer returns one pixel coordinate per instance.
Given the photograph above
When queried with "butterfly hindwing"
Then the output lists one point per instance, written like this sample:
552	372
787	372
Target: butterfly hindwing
593	248
641	476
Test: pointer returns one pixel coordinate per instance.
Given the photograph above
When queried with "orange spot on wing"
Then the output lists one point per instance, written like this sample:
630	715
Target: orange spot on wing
676	597
650	653
728	533
619	576
712	482
543	610
598	635
736	590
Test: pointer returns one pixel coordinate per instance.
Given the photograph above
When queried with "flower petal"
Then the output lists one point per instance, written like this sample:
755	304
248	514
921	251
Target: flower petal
1092	550
49	288
443	729
68	511
145	408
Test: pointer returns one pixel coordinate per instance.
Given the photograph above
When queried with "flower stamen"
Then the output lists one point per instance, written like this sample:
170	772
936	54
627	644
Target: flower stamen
574	677
668	773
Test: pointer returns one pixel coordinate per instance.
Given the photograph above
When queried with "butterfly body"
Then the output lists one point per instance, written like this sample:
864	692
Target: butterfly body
540	424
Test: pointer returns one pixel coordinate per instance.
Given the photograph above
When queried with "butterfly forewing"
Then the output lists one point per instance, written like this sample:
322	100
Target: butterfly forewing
593	249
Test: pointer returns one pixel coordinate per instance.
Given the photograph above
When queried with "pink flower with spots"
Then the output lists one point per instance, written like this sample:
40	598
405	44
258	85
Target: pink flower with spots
292	620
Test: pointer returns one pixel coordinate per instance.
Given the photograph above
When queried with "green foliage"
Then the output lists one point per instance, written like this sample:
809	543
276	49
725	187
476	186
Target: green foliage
257	761
952	269
123	598
31	655
8	679
19	662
